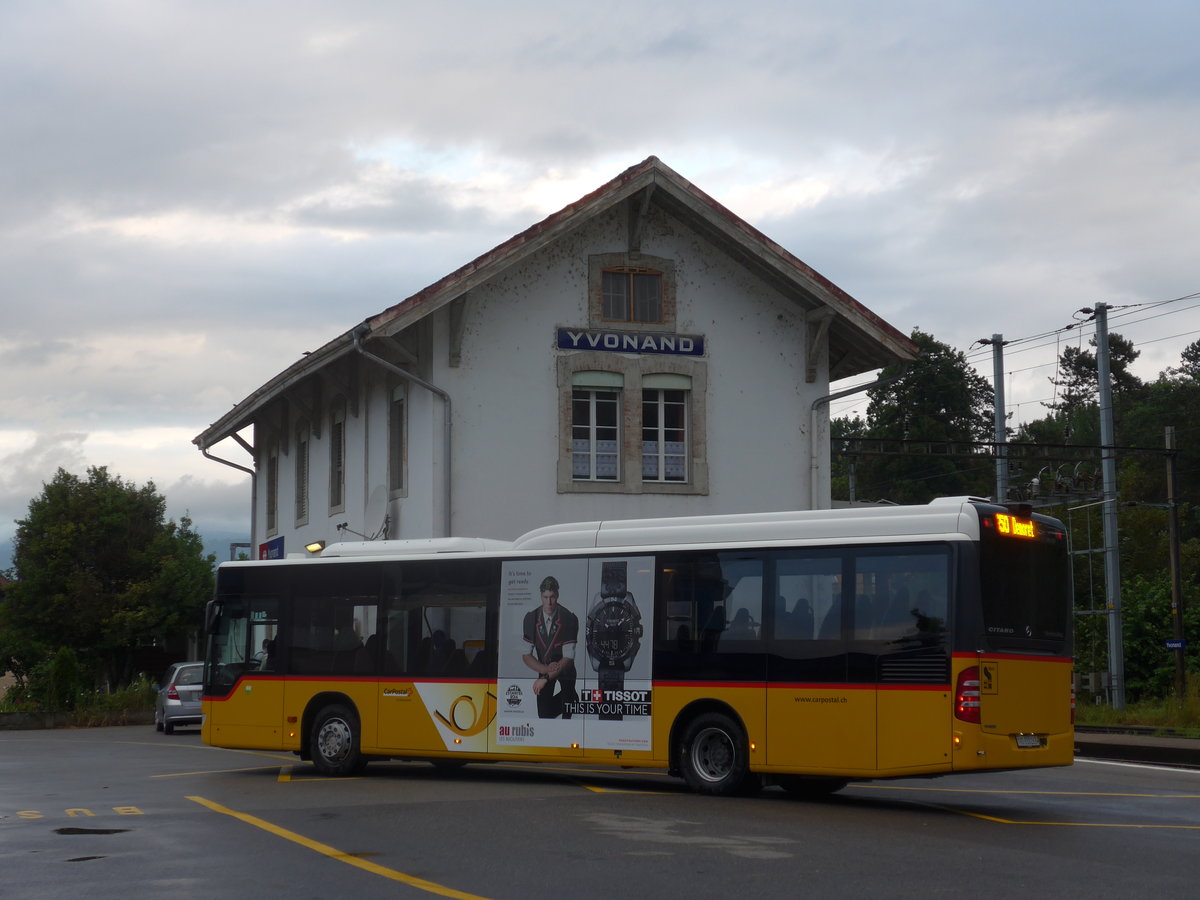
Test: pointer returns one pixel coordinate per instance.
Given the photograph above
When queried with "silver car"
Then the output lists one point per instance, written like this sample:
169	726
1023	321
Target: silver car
178	700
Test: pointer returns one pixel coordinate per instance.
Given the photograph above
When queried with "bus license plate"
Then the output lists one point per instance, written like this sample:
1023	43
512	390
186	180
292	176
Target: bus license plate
1028	741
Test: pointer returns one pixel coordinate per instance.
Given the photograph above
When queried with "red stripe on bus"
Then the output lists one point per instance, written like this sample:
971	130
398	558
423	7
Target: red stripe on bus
1028	657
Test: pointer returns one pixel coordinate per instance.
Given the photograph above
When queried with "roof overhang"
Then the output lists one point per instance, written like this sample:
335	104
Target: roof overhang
859	340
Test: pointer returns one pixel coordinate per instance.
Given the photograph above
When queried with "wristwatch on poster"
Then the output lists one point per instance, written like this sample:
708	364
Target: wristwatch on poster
614	631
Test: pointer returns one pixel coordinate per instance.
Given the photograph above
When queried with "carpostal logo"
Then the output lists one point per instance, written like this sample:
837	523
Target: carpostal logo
515	731
513	695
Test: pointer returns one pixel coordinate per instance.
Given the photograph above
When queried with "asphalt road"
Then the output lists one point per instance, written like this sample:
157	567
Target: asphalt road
126	812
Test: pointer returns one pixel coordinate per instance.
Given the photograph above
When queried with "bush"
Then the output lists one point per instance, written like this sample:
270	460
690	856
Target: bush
1165	714
56	685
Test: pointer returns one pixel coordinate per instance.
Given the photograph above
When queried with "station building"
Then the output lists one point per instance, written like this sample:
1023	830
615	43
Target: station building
641	352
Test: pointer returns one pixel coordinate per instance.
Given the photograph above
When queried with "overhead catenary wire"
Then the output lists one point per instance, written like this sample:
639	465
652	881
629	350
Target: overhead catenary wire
1125	314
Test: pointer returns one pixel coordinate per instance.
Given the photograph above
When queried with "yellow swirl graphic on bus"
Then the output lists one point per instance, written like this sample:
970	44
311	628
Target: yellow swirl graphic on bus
457	722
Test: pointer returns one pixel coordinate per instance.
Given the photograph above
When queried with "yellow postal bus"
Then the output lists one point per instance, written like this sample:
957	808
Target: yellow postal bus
805	649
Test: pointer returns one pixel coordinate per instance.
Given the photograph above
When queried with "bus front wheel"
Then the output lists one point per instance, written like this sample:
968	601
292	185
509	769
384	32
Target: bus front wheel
713	756
334	745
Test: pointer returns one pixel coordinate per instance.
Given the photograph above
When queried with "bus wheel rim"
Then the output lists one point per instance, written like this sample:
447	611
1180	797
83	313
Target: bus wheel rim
334	740
713	755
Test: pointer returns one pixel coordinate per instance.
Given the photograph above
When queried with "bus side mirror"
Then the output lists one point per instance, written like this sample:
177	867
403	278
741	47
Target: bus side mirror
212	612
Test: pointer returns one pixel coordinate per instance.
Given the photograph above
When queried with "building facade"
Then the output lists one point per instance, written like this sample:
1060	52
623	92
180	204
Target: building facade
642	352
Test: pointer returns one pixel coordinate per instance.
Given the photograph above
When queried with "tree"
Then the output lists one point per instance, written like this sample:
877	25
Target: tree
939	398
1077	388
100	572
1172	399
1189	363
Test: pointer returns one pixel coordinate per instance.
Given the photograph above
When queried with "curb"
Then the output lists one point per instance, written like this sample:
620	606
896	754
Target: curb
1151	750
28	721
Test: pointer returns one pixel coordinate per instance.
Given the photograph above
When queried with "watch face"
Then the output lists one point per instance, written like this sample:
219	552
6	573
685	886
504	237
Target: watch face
613	632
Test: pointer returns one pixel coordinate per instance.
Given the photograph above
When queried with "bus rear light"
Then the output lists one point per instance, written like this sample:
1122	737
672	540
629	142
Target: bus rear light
966	696
1072	702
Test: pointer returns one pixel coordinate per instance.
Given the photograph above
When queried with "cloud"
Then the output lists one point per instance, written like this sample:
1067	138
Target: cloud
196	195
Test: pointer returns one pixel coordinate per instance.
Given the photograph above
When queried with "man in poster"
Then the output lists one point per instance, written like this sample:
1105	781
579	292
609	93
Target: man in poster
550	633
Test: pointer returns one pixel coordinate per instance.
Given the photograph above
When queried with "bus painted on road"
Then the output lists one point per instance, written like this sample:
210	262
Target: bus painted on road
805	649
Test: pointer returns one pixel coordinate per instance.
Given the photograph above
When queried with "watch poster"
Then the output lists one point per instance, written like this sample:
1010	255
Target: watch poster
575	645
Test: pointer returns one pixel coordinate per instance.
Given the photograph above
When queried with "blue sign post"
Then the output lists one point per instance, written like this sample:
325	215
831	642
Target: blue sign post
1176	643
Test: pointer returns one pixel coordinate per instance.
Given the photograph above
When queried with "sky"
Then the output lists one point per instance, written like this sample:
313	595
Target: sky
193	194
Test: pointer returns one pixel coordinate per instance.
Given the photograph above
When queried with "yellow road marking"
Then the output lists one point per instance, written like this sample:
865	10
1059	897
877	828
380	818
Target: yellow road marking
894	787
333	853
596	789
1001	821
214	771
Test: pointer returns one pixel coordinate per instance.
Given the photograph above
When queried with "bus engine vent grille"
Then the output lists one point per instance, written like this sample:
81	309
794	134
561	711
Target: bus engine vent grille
931	668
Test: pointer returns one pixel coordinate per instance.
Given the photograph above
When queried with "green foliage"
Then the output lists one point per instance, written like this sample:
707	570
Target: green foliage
55	684
1078	373
939	398
98	570
1164	712
1147	623
91	707
64	680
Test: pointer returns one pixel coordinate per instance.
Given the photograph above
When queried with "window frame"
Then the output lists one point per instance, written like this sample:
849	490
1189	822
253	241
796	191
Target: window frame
631	299
397	455
632	264
303	457
337	457
578	366
594	384
271	500
661	427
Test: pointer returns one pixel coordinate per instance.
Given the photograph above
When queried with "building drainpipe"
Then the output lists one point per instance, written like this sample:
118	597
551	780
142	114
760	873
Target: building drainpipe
253	481
359	334
814	467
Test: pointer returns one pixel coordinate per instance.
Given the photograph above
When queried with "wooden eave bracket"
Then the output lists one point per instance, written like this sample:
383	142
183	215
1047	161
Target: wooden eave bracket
639	206
457	321
346	382
818	329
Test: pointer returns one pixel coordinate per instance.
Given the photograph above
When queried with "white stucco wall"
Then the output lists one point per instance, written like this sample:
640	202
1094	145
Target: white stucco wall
505	396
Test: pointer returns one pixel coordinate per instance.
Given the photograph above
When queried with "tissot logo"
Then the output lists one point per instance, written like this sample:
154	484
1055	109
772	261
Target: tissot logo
597	696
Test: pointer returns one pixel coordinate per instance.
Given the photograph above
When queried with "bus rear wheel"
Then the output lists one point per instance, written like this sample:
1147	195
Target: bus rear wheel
334	744
713	756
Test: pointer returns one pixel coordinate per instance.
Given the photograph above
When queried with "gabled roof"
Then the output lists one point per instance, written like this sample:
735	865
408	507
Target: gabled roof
859	340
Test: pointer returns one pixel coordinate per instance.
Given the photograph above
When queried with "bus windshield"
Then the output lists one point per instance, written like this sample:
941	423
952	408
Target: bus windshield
1025	582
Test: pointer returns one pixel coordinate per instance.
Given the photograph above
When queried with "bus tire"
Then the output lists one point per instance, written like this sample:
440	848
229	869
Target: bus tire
335	741
713	756
810	787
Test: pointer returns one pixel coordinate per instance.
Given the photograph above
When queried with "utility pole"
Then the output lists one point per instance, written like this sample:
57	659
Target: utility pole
1176	588
1001	431
1108	468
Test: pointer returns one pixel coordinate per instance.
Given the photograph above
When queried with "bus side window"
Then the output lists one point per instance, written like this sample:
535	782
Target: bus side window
905	598
711	602
807	588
